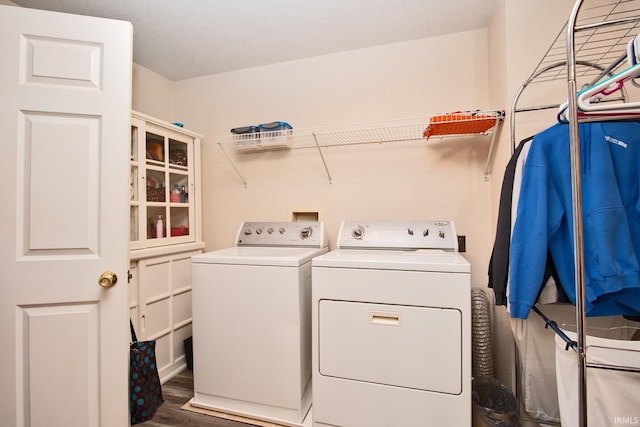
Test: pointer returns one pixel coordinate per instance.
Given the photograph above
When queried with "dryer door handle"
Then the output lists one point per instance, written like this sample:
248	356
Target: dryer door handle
385	318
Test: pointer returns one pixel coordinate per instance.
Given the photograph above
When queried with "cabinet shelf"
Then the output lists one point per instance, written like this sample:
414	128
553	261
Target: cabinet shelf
459	124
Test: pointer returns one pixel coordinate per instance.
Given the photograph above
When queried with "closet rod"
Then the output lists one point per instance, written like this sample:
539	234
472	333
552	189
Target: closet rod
537	108
552	106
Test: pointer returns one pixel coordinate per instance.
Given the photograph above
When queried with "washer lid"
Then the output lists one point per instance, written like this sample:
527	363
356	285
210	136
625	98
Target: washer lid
375	259
259	255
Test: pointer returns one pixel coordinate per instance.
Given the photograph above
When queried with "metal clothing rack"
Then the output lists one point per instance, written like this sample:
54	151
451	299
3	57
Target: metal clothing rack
592	45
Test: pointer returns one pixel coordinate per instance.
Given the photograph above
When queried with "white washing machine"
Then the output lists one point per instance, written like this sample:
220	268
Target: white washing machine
391	326
252	322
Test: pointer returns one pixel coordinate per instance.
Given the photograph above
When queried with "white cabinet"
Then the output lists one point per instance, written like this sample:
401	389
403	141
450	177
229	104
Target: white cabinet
160	303
164	183
164	158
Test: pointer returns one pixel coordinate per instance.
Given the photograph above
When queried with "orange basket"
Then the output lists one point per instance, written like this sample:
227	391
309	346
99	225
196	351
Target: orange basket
462	123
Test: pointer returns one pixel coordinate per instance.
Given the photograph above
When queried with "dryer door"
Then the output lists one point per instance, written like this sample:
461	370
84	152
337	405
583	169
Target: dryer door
396	345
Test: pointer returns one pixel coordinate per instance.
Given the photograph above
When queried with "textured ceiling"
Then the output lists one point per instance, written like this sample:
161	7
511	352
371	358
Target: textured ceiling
181	39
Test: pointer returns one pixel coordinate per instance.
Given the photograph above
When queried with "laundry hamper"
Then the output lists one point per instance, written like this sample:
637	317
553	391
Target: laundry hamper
612	395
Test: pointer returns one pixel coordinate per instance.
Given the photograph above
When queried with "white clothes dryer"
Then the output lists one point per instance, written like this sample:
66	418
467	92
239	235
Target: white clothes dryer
252	322
391	327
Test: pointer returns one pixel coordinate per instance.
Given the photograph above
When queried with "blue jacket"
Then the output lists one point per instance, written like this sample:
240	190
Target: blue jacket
610	179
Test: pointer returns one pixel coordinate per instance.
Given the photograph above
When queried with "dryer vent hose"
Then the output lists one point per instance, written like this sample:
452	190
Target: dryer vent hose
482	346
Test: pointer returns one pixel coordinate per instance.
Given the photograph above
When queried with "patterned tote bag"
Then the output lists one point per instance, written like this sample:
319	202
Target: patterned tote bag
145	390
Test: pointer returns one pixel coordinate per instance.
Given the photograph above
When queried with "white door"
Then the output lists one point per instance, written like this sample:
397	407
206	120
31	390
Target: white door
65	85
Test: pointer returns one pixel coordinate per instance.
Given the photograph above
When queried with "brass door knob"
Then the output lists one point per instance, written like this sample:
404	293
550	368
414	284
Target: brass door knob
108	279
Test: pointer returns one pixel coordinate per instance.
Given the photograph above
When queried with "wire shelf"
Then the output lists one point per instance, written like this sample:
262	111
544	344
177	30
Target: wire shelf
463	123
408	129
459	124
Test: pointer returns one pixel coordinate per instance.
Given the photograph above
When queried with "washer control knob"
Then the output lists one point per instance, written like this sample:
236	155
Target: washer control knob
441	234
258	230
410	231
425	233
306	232
270	230
281	230
247	231
358	232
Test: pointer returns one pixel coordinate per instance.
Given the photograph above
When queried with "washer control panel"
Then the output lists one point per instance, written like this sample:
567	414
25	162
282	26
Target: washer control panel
398	235
302	233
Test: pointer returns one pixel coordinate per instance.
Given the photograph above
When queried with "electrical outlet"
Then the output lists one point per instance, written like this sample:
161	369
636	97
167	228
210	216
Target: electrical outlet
462	243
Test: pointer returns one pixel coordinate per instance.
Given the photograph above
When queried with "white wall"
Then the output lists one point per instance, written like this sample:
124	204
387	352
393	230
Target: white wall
419	180
152	94
522	33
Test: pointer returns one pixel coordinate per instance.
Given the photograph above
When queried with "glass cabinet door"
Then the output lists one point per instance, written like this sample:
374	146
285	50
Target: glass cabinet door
134	188
161	180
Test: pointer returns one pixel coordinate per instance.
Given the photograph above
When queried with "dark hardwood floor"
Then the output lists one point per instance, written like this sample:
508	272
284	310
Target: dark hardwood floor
176	392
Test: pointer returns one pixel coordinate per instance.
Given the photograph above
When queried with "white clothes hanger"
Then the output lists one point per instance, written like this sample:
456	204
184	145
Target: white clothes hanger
593	103
590	99
633	55
598	116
